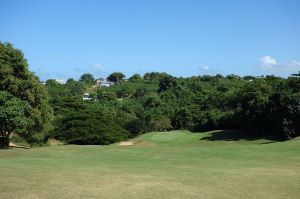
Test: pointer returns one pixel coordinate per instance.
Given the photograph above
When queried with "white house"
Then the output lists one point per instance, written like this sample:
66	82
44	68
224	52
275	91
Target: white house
103	82
86	96
60	81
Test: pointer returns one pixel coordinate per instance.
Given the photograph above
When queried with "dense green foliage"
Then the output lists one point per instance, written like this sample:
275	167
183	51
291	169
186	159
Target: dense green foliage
14	117
24	107
264	106
89	125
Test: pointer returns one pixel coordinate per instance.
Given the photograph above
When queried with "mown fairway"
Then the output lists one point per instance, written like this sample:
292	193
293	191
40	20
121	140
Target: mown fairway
159	165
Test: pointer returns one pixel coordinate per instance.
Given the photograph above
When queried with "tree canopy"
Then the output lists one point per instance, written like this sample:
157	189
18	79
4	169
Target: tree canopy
24	99
87	78
262	106
116	77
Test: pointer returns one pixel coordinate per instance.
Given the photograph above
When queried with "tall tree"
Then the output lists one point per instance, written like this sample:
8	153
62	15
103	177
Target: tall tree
22	87
14	117
116	77
135	77
87	78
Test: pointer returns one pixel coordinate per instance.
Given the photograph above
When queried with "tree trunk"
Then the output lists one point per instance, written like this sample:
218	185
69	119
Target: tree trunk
4	139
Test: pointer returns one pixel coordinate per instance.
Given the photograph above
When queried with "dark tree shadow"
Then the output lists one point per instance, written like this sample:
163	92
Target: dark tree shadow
20	147
229	135
270	142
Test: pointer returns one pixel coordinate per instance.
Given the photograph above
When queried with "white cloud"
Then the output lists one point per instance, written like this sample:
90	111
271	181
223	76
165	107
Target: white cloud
209	70
268	63
294	65
205	68
267	60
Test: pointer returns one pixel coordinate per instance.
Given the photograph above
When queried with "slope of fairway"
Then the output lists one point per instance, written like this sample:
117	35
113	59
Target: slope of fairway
176	164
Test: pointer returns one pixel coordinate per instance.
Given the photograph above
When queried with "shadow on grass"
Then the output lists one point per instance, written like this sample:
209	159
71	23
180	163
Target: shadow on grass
229	135
270	142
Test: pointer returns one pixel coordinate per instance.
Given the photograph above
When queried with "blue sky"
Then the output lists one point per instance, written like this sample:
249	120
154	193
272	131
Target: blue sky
65	38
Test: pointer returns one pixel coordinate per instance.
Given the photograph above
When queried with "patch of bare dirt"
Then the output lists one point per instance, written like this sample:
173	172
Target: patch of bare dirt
126	143
18	146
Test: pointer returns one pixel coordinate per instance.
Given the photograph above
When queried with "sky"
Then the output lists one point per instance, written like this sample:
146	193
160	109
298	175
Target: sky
63	39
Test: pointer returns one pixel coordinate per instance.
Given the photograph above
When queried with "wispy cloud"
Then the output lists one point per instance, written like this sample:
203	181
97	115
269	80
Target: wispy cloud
79	70
97	67
270	64
209	70
205	68
91	68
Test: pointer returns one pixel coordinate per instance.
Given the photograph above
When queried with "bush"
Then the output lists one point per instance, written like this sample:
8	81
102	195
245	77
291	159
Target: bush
88	126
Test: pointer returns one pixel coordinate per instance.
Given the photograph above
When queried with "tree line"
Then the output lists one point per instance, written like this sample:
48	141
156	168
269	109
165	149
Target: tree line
260	106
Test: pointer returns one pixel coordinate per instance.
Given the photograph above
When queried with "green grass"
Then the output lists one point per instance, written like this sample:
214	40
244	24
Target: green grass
174	164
